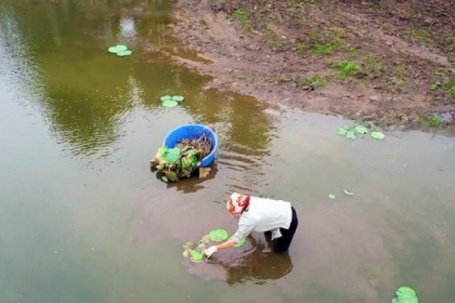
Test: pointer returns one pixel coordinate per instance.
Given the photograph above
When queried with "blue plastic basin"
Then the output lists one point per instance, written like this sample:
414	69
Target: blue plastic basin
193	131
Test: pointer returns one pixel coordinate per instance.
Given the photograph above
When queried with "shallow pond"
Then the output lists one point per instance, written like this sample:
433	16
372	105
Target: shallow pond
83	219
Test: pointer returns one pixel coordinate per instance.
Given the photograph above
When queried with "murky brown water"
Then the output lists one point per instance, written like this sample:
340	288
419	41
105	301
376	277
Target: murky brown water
82	218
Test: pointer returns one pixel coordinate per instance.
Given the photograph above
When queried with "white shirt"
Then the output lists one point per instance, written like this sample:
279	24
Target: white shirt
264	215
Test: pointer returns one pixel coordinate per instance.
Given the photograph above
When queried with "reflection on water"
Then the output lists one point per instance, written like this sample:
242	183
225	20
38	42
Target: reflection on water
253	262
89	93
84	220
259	267
193	184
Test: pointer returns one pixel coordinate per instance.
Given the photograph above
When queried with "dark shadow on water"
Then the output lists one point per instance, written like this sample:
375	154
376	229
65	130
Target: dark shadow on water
192	184
259	267
255	263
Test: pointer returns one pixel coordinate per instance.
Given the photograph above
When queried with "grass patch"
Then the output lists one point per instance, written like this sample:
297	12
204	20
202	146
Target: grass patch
328	41
323	49
279	79
346	68
451	89
434	87
312	80
421	35
435	122
242	17
302	48
276	39
373	65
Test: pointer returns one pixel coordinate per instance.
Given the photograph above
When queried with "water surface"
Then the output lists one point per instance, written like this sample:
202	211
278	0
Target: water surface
83	219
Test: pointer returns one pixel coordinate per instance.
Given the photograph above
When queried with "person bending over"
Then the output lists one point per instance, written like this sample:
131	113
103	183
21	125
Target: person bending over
261	215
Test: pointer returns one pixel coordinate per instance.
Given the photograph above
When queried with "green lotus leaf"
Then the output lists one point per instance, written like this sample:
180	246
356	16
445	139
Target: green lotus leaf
219	235
196	256
112	49
360	129
117	48
332	196
377	135
172	155
124	53
343	130
240	243
178	98
347	192
405	295
351	135
161	151
170	103
166	98
405	291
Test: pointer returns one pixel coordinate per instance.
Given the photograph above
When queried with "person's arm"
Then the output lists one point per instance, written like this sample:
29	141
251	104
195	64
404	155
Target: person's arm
242	232
212	249
226	244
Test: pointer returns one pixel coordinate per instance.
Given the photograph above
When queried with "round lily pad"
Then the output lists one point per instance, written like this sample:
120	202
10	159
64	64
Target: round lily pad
347	192
377	135
124	53
219	235
240	243
166	98
178	98
196	256
332	196
343	130
170	103
361	129
351	135
117	48
406	295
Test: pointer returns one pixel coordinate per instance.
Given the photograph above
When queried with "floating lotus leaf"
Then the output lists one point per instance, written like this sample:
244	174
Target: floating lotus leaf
351	135
166	98
332	196
124	53
377	135
117	48
170	103
112	49
405	291
343	130
178	98
219	235
196	256
347	192
405	295
361	129
240	243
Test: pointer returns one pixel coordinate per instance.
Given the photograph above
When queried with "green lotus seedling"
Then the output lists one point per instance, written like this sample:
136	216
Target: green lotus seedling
219	235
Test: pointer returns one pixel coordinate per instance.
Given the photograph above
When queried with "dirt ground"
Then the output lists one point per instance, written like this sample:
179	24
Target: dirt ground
387	62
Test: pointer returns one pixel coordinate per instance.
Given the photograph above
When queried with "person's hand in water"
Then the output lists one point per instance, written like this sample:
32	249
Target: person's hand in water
210	251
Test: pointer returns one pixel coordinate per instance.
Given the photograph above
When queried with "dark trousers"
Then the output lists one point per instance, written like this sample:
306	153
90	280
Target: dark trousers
283	242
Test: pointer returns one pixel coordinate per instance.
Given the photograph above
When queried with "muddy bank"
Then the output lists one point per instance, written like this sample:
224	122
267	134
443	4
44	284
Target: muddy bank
388	63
